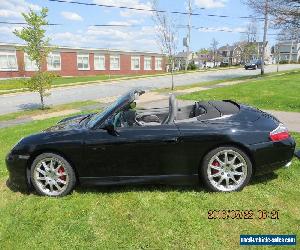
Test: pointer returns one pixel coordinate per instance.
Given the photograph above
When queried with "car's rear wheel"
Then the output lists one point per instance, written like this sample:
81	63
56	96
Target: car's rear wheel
52	175
226	169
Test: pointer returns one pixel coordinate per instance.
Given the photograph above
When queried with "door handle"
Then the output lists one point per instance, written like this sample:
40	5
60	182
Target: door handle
171	140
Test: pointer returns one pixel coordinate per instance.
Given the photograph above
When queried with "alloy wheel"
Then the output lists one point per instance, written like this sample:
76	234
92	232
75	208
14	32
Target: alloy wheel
51	176
227	170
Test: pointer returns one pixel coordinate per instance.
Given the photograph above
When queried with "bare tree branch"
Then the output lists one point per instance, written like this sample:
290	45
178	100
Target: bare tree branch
166	35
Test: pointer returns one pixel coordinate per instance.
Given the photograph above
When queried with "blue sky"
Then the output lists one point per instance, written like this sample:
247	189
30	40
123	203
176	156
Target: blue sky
76	20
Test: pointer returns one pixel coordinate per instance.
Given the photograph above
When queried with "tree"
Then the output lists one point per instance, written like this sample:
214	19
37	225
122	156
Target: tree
166	36
286	13
214	47
248	51
204	51
37	48
276	55
289	33
252	31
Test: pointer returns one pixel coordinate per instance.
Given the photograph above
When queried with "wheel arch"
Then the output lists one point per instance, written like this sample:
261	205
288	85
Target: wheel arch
53	151
232	144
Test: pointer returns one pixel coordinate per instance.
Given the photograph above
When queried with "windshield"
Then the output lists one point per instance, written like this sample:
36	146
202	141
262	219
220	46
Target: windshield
121	101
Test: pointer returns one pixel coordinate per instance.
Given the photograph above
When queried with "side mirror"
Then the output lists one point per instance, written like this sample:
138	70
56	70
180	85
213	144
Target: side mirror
110	127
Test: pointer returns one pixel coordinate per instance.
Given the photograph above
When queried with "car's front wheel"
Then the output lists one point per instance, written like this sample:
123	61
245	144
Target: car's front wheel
52	175
226	169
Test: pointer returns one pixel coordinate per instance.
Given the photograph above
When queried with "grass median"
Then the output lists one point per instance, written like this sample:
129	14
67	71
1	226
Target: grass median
49	109
276	92
145	217
19	83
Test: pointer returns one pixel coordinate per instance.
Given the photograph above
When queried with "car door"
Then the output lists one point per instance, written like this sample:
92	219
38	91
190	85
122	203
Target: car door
135	151
197	139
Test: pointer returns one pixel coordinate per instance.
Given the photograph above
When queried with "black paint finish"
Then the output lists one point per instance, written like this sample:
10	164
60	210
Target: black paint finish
150	154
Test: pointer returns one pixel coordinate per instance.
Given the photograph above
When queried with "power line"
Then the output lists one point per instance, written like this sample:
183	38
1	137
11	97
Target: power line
224	30
153	10
22	23
135	25
60	24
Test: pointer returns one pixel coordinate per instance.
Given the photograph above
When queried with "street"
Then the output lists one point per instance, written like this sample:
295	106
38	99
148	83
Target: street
16	102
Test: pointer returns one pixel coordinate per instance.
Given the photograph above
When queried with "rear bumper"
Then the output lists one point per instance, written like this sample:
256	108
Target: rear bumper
269	156
17	169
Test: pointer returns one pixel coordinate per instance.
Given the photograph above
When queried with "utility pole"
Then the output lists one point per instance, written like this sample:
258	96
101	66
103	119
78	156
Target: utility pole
291	51
189	34
266	16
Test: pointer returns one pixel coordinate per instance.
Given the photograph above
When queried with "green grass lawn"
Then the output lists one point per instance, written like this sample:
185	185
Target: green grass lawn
48	109
154	217
214	82
16	83
19	83
276	92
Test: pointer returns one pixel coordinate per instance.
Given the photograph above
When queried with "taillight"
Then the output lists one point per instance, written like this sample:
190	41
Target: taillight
280	133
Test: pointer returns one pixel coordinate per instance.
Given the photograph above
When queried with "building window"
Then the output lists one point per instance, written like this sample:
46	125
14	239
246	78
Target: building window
99	62
54	61
135	63
8	61
158	64
29	65
115	62
147	63
83	62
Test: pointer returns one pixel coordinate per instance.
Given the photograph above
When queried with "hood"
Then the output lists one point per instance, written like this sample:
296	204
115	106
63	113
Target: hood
68	123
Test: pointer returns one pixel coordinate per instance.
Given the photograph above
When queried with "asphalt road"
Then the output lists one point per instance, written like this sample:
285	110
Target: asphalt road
16	102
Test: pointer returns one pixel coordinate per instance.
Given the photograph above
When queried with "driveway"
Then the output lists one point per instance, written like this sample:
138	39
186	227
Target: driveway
16	102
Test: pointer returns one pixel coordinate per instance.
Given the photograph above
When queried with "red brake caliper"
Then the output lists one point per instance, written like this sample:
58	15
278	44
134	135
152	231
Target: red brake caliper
216	164
61	171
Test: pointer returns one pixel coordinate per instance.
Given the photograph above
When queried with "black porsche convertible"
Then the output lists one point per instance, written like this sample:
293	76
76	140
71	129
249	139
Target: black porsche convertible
219	143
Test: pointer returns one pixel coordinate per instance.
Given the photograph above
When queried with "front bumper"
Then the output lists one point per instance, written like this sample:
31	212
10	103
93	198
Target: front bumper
17	169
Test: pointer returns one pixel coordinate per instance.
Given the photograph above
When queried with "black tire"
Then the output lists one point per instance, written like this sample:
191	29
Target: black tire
204	169
68	172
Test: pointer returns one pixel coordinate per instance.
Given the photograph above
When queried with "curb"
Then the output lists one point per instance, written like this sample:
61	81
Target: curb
76	84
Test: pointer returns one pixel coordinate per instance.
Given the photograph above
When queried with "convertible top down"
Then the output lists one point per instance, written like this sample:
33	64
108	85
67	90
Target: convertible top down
222	144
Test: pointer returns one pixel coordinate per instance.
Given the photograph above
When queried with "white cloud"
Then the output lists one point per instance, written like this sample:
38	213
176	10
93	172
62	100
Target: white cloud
127	22
7	30
71	16
118	23
117	38
128	3
223	29
210	4
14	8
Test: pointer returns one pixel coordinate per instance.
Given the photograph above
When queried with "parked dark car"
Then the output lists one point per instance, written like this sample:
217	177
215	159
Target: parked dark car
220	143
254	64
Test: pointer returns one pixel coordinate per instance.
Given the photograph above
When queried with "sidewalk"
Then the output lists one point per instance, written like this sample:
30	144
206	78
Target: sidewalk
290	119
150	100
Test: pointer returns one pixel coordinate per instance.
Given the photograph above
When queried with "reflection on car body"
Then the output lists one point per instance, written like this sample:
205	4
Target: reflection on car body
220	143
